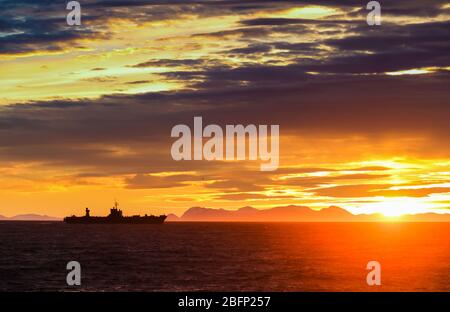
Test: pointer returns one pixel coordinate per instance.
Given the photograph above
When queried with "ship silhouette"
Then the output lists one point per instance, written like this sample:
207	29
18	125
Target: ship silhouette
115	217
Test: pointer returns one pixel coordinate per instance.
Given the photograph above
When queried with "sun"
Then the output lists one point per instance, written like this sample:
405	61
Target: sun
395	207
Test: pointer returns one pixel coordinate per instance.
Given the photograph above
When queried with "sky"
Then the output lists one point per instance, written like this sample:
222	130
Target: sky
86	111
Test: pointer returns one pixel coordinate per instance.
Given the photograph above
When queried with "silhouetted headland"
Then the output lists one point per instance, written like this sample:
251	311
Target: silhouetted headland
115	217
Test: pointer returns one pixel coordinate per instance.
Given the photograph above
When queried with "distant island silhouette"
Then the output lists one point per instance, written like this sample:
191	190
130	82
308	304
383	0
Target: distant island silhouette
30	217
294	213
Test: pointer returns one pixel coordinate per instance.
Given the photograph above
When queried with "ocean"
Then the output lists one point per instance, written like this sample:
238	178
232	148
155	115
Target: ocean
225	256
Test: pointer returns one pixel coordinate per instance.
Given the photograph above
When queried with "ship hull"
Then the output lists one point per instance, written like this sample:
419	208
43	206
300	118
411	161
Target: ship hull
123	220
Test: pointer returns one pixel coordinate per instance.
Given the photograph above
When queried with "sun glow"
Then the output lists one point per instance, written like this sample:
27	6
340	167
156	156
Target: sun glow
395	207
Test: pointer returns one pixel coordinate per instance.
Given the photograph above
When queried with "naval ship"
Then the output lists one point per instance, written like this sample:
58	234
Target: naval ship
115	217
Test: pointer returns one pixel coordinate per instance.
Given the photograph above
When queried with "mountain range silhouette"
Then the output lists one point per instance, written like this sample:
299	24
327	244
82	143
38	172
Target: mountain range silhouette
294	213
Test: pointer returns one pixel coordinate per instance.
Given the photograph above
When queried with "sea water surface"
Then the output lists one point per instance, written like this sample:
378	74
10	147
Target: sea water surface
225	256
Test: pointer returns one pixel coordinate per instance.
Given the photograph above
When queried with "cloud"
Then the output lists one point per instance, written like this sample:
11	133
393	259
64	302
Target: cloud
234	184
141	181
250	196
370	190
169	63
316	181
139	82
360	190
422	192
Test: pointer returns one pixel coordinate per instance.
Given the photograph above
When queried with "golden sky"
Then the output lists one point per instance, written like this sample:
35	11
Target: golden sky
86	111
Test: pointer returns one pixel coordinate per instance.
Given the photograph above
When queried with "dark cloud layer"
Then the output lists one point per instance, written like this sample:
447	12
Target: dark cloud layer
30	25
65	131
